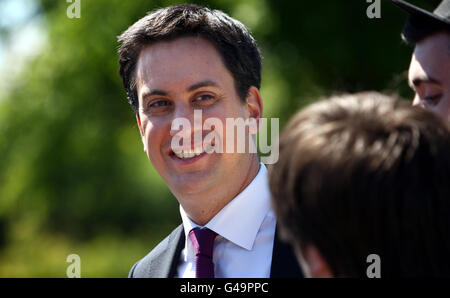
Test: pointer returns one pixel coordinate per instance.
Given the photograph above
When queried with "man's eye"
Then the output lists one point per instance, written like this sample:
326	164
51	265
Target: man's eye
203	98
433	99
158	106
159	103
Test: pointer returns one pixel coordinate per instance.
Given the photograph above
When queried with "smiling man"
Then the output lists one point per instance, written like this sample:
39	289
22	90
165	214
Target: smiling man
429	71
176	62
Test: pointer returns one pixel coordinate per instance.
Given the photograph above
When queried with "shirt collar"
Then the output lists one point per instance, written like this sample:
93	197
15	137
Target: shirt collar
240	220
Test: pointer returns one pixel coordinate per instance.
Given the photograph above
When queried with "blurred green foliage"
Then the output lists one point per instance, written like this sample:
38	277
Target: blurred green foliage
73	174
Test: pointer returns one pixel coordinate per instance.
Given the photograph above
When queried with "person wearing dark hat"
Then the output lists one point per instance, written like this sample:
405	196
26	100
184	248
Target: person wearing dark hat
429	71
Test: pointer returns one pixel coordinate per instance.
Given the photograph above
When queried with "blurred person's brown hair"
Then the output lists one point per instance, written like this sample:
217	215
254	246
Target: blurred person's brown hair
366	174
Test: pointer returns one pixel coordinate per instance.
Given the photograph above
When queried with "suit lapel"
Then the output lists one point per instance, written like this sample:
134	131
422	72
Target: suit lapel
165	265
284	262
174	255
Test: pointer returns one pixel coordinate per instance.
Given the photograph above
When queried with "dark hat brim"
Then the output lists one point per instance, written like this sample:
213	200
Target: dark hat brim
415	11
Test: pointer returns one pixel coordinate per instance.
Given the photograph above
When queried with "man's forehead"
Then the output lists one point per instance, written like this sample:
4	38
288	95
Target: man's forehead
178	56
431	57
181	62
177	48
438	43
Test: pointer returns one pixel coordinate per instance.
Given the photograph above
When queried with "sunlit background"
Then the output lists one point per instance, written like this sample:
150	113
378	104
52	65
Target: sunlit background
73	175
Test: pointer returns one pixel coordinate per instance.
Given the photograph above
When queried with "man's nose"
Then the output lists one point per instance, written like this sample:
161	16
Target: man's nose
185	122
181	118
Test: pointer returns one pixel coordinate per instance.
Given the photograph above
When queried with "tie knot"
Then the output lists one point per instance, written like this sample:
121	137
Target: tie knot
203	241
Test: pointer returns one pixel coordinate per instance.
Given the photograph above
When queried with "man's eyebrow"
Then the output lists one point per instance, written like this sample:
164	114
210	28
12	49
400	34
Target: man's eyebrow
202	84
206	83
154	92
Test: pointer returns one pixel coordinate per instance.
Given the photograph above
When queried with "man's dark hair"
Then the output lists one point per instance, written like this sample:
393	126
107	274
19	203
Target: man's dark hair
366	174
237	47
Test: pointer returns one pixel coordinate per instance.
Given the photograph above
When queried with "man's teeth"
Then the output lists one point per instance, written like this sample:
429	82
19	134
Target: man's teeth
185	154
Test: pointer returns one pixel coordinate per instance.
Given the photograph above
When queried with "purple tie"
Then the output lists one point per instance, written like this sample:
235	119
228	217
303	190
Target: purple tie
203	241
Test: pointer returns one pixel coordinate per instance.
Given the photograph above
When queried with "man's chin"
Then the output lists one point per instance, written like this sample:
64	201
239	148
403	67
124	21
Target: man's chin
191	184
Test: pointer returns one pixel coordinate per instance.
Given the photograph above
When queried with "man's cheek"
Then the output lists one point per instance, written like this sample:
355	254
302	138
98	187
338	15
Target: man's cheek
153	146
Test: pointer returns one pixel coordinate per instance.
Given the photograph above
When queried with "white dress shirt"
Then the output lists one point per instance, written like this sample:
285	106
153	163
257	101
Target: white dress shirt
246	231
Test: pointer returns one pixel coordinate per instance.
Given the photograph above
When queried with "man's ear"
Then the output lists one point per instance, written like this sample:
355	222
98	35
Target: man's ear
141	131
317	266
254	106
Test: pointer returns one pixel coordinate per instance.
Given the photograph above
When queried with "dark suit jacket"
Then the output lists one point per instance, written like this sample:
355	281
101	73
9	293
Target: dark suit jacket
163	260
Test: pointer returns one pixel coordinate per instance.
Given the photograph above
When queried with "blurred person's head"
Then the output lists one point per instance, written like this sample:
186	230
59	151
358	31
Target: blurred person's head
429	71
365	174
186	58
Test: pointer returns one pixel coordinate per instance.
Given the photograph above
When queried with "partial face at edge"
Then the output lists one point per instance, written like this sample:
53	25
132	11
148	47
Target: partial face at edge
429	74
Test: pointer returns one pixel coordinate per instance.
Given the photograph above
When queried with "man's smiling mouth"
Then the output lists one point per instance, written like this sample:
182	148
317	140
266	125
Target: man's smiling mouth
189	153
